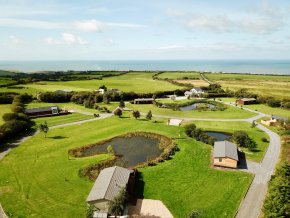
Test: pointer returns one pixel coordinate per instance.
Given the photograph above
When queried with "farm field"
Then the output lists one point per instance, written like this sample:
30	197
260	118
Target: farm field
266	85
38	180
5	81
229	113
20	89
195	83
4	108
135	82
179	75
230	127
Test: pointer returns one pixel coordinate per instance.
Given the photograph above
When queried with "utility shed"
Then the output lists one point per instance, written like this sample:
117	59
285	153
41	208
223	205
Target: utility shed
42	111
245	101
225	154
144	101
107	186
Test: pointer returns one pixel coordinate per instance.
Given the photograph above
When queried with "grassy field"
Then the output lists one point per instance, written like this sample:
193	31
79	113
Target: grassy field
136	82
269	110
38	180
230	127
179	75
57	120
229	113
4	108
5	81
73	106
266	85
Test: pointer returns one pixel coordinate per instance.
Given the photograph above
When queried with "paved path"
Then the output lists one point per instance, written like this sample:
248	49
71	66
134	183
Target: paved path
2	213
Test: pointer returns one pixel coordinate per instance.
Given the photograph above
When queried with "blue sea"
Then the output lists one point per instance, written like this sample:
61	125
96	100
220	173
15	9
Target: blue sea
278	67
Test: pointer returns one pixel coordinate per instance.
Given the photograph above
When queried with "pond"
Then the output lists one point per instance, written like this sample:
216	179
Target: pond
197	106
133	150
219	136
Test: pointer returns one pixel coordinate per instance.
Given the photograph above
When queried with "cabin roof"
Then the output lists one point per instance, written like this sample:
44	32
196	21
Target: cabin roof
39	109
109	183
226	149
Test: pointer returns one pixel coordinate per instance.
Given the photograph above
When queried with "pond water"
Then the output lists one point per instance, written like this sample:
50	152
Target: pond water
134	150
196	105
220	136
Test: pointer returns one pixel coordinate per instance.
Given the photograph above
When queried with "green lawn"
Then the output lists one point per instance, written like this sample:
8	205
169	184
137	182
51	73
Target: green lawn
229	113
230	127
70	105
269	110
5	81
266	85
4	108
38	180
57	120
135	82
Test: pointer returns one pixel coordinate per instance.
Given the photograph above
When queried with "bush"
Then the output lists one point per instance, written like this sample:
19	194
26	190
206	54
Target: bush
277	203
189	129
240	138
274	103
117	205
264	139
55	97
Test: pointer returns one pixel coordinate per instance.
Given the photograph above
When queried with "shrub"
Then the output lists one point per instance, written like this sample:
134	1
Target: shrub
118	112
264	139
117	205
240	138
189	129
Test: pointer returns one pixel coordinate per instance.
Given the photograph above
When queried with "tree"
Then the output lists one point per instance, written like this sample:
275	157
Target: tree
254	124
136	114
277	203
118	112
117	205
43	127
149	115
251	144
103	87
241	138
122	104
189	129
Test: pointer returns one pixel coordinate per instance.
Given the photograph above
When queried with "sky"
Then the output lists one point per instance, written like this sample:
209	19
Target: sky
144	29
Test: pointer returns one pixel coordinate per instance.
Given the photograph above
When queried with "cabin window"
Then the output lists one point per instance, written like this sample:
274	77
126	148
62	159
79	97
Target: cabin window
54	111
220	159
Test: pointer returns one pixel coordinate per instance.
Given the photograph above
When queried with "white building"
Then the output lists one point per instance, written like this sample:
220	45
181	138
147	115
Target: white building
194	92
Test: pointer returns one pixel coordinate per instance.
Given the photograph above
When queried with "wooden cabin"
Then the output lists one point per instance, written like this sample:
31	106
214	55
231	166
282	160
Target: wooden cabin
245	101
107	186
42	111
144	101
225	154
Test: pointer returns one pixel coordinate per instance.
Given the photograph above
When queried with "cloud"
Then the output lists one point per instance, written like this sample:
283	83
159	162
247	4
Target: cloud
171	47
66	39
99	26
262	20
206	23
24	23
14	40
90	25
84	25
71	39
52	41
